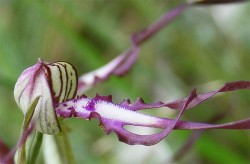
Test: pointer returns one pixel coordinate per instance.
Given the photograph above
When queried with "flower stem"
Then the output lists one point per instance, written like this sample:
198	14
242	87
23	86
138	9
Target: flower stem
35	147
27	123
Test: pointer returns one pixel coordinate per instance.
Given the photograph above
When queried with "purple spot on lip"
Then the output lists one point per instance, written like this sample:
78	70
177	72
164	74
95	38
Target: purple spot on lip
90	105
70	108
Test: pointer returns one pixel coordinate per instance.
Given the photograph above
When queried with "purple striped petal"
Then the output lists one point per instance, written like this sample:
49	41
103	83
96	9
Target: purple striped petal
31	84
53	83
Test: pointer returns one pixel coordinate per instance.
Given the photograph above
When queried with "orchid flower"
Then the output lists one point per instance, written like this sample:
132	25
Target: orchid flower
55	83
47	92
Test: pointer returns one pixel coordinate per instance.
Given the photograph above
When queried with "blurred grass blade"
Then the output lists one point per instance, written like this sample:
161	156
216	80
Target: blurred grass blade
208	2
219	153
87	52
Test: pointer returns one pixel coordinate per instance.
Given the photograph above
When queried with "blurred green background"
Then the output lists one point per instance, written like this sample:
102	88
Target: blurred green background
204	48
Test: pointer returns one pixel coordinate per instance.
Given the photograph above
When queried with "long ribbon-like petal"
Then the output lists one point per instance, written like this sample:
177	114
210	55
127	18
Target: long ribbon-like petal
113	117
118	66
123	63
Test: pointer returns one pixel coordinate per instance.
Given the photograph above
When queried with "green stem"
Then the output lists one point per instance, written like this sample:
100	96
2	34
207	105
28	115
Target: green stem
35	147
57	148
64	144
21	159
65	147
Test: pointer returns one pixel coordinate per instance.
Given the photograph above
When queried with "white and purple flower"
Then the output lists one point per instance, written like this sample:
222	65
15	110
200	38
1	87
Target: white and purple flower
56	85
58	93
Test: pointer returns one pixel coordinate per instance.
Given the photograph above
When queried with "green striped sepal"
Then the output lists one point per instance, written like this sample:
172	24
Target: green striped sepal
54	83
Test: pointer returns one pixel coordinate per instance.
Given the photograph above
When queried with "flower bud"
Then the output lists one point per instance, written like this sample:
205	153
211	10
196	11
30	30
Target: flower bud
53	83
